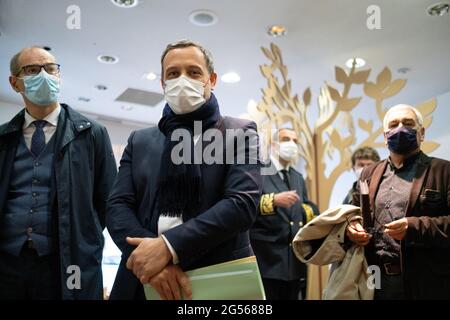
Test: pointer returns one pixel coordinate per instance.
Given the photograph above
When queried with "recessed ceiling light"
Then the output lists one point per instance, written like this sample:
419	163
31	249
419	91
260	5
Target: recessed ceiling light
203	18
150	76
231	77
277	31
125	3
107	59
84	99
438	9
127	108
359	62
404	70
47	48
101	87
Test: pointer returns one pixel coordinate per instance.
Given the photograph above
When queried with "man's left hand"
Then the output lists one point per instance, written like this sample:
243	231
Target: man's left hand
397	229
149	258
171	282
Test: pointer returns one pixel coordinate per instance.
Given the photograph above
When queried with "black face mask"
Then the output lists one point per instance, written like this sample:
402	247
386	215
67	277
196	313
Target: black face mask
402	140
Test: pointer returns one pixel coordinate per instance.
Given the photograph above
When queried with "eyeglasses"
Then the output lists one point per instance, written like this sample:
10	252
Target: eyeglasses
375	231
34	69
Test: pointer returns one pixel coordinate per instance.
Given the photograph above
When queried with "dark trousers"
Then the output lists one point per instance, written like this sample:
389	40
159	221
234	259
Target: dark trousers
283	290
29	277
391	288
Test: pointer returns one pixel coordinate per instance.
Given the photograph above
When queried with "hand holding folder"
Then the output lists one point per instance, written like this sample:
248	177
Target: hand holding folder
234	280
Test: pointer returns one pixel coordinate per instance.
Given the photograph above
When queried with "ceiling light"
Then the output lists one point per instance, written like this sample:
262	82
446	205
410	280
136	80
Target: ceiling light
359	62
404	70
438	9
84	99
107	59
203	18
231	77
277	31
47	48
150	76
127	108
101	87
125	3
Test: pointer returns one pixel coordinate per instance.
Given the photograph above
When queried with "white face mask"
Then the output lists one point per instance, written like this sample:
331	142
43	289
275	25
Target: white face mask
184	95
358	172
288	150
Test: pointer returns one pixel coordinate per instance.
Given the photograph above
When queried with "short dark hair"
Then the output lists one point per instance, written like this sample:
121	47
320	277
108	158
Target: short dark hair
188	43
366	153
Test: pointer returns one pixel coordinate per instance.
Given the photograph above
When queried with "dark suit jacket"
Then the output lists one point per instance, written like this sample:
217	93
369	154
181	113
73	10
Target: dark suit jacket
425	250
219	233
272	234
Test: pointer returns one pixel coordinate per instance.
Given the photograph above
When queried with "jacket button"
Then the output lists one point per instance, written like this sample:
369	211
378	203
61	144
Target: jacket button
291	223
29	230
300	223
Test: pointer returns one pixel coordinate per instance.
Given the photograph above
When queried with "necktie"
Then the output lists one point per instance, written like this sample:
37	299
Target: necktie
285	174
38	138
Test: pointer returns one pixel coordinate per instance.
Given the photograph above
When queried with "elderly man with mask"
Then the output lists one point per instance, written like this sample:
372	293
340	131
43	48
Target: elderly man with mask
409	192
57	168
284	208
168	216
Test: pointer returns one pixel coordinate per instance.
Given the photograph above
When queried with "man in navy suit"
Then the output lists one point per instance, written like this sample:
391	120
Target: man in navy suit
168	216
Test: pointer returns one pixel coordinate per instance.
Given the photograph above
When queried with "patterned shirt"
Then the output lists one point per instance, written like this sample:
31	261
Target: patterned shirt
391	203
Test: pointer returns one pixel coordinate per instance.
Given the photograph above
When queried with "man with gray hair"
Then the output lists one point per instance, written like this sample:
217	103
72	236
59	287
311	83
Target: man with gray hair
57	168
284	209
408	236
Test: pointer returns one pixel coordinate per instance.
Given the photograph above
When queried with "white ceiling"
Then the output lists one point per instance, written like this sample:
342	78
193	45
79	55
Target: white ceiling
321	34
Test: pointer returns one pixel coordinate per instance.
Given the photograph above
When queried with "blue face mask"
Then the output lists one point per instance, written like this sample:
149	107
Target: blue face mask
402	140
41	89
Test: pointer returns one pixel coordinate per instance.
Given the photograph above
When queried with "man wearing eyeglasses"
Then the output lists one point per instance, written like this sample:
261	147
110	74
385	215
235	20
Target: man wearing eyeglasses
57	168
409	237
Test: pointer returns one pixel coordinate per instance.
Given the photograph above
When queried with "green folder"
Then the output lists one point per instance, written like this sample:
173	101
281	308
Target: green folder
233	280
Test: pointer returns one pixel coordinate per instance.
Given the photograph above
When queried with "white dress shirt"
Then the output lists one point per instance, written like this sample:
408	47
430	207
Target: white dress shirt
49	128
165	223
278	166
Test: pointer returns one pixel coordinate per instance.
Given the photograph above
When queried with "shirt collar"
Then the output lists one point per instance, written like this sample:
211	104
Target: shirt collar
277	164
407	162
51	118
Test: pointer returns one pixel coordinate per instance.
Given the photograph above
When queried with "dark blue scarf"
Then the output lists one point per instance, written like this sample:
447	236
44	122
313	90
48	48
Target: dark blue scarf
179	184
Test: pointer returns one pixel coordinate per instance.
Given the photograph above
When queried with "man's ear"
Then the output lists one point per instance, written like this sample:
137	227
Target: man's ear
385	138
13	82
422	134
213	80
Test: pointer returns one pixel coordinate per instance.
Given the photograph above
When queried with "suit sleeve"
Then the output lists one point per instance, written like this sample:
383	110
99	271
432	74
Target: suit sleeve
122	220
233	214
105	172
310	208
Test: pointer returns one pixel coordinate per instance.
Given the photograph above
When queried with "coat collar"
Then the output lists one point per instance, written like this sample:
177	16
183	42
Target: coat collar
423	164
14	125
80	122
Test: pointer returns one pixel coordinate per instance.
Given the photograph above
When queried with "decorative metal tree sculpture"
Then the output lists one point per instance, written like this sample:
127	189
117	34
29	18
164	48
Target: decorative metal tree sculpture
280	106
